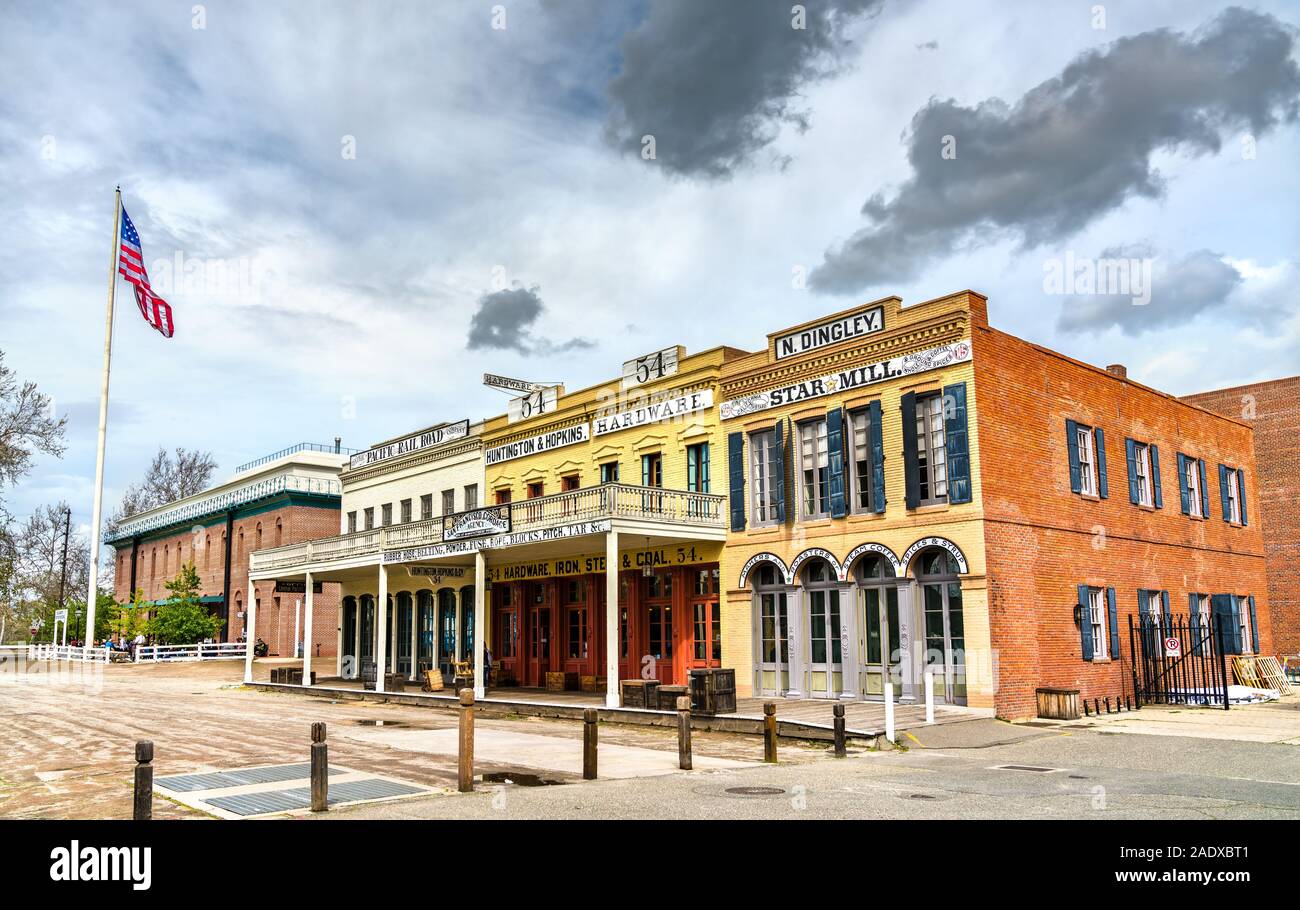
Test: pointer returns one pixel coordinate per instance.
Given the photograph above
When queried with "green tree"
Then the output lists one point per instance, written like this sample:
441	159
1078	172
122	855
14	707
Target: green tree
182	619
129	619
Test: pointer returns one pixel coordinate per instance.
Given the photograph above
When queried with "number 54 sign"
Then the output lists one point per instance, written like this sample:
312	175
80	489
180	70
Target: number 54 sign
651	367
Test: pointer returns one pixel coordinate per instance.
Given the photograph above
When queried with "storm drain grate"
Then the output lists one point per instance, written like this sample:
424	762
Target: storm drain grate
1024	768
756	791
218	780
269	801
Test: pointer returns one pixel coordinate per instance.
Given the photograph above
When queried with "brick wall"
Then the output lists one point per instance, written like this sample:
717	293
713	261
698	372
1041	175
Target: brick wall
160	558
1273	410
1042	540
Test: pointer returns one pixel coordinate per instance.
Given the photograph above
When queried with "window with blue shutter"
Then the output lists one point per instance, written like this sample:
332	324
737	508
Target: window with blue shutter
1194	622
782	448
957	443
1254	625
1241	494
1155	476
1085	622
736	478
911	464
835	461
1130	453
1184	494
1223	492
1205	490
1112	617
1225	626
1164	610
1103	486
877	457
1072	449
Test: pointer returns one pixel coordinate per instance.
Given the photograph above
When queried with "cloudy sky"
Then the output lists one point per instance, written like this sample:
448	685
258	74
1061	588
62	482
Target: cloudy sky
356	209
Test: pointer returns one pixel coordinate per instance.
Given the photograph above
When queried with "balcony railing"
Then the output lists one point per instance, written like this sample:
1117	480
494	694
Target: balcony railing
611	500
297	447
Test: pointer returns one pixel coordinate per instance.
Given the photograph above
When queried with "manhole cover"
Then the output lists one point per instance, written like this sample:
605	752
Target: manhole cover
756	791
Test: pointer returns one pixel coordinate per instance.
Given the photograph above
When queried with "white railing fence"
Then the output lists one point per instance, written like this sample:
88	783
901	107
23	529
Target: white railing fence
66	652
225	650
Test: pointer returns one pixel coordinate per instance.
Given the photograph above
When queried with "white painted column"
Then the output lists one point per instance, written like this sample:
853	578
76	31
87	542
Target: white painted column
338	634
250	630
356	639
907	635
849	646
381	629
480	611
795	637
611	619
306	638
415	614
297	624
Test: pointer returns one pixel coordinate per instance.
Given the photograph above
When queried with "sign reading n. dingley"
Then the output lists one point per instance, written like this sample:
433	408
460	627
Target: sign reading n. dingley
854	325
410	444
846	380
655	411
542	442
476	523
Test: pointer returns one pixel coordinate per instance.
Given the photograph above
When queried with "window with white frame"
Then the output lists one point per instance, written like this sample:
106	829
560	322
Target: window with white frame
448	502
860	459
406	511
387	510
1203	615
471	497
931	451
1234	496
1243	623
1192	469
370	518
1142	462
426	507
814	470
763	470
1097	623
352	522
1087	461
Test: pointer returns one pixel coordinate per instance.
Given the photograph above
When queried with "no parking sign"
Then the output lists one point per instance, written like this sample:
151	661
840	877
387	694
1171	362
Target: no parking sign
1173	647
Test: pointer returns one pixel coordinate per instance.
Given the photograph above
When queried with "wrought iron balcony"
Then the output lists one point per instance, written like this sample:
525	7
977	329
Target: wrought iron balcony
677	509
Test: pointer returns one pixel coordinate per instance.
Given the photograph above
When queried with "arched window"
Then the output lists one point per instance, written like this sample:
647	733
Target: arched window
258	538
878	613
772	618
279	532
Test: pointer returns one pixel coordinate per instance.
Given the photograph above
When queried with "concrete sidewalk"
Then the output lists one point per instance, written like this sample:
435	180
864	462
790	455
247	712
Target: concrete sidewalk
1269	722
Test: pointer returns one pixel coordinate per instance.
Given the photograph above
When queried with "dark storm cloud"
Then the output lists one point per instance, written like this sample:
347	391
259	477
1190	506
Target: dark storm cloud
1073	148
1176	290
713	82
504	320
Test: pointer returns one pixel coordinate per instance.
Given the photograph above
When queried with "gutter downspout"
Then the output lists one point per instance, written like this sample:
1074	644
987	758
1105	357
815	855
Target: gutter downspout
225	592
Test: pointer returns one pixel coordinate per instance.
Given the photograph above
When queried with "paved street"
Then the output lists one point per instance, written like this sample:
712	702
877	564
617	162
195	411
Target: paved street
67	754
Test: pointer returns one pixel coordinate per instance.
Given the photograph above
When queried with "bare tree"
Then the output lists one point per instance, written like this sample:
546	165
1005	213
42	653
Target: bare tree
167	479
27	426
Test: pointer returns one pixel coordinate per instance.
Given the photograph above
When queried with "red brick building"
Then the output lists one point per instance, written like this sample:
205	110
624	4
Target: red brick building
1105	499
1273	410
286	498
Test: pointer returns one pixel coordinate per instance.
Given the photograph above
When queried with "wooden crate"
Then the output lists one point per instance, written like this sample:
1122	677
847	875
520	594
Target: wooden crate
1058	704
555	682
592	683
713	690
668	695
639	693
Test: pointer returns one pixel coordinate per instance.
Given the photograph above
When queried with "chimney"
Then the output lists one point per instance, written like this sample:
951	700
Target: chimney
1118	369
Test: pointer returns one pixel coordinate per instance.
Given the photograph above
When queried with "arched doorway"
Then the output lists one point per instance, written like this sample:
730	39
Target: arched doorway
447	634
938	577
348	661
465	628
405	618
826	628
424	640
881	648
772	630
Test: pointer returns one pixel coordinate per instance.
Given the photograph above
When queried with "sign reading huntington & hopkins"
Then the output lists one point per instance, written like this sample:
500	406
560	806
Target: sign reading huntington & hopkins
476	523
542	442
414	443
855	325
846	380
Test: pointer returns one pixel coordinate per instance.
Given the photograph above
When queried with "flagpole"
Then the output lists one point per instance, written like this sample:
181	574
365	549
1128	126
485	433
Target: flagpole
92	593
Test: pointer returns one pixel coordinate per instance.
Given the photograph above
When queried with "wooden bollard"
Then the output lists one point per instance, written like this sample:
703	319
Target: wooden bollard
142	809
320	769
769	732
684	732
589	743
841	748
466	771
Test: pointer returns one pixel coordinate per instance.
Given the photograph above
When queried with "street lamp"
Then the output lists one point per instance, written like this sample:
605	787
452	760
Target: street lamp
79	627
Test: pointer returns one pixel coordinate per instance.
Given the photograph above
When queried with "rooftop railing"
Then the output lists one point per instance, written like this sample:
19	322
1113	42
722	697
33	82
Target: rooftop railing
611	500
299	447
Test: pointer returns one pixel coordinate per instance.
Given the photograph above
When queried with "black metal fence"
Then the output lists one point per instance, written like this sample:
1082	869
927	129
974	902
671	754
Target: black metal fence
1178	660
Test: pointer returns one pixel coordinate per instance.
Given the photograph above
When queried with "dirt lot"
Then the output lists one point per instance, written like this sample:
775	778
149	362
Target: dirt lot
68	741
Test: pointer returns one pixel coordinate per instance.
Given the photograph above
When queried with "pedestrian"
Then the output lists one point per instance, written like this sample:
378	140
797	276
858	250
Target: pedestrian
487	667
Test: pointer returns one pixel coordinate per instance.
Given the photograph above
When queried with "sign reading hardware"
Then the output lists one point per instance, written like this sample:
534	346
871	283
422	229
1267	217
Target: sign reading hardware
651	367
533	404
493	381
827	333
411	444
476	523
542	442
654	412
847	380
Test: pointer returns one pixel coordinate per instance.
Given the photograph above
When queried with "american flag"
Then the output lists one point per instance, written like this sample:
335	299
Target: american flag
130	265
